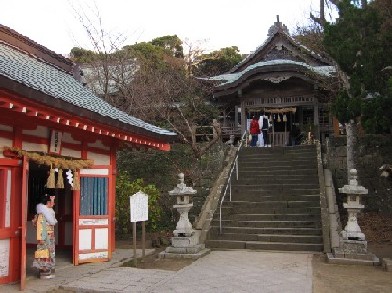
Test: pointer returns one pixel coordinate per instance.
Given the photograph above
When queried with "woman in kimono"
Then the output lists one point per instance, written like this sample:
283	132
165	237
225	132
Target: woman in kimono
44	258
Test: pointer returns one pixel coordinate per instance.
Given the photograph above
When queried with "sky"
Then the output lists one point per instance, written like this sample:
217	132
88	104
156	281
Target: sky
207	24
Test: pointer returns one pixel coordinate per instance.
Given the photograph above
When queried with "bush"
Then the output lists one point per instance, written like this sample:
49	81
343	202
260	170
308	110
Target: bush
124	189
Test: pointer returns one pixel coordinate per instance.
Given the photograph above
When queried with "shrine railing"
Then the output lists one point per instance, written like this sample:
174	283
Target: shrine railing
279	138
228	183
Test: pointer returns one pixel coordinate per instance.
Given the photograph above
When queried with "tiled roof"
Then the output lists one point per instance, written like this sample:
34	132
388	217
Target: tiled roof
278	28
39	75
232	77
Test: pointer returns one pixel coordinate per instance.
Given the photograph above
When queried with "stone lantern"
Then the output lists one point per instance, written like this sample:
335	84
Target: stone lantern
184	204
352	231
352	245
186	240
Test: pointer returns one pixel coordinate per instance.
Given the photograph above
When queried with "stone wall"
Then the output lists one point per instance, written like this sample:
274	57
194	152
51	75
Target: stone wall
372	152
210	167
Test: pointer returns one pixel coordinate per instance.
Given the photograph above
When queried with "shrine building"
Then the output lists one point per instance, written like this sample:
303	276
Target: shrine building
282	80
55	133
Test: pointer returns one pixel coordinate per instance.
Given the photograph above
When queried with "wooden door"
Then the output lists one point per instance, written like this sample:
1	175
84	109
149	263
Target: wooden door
92	227
25	185
10	221
6	232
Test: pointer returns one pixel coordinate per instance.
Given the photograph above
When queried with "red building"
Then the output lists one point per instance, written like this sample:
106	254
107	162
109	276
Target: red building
50	124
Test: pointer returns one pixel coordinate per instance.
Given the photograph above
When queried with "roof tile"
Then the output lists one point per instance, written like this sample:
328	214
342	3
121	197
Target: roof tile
56	83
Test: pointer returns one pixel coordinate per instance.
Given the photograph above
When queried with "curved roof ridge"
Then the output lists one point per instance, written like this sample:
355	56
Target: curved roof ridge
232	77
277	28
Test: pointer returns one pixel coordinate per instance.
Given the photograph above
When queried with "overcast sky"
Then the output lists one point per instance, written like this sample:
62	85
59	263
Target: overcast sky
215	23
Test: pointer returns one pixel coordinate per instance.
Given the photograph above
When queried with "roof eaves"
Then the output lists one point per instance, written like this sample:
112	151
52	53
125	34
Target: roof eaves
233	77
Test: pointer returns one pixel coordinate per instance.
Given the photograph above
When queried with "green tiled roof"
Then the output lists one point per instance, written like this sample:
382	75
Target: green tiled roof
39	75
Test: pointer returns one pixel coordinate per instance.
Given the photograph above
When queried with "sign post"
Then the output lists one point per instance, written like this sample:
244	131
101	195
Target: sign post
139	213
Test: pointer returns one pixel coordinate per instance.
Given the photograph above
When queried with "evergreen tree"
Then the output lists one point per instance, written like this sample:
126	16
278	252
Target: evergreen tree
360	42
217	62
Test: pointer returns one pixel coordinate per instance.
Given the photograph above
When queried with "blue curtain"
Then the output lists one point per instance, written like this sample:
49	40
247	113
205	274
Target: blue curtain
93	196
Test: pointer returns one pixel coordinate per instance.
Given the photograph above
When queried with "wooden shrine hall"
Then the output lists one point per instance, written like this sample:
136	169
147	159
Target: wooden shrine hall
52	129
284	81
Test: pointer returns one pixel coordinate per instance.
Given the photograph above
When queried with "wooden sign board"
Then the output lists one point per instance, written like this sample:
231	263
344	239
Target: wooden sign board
139	207
55	142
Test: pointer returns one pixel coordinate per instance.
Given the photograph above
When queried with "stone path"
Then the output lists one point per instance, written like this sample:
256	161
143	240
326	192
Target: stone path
220	271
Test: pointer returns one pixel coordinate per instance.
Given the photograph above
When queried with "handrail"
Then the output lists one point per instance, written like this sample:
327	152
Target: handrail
228	184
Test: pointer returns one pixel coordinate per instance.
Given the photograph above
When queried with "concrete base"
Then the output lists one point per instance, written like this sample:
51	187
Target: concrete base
387	264
197	255
352	252
367	259
351	247
185	247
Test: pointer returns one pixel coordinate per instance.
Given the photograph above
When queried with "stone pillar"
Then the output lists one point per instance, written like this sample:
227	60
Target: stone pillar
185	243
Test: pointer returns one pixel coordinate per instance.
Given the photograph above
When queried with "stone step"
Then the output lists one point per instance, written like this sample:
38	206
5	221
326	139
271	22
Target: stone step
275	197
266	156
273	217
285	158
270	238
279	150
258	245
275	187
268	224
267	180
261	171
266	230
254	209
278	165
274	204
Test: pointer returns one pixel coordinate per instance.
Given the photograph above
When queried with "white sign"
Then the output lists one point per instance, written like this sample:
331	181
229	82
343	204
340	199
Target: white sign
139	207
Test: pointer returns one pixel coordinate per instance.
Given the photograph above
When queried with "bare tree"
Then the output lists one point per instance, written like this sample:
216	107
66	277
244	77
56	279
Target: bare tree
170	97
159	90
193	50
106	64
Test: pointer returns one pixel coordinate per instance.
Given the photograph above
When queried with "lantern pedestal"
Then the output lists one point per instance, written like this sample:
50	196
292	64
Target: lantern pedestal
352	245
186	241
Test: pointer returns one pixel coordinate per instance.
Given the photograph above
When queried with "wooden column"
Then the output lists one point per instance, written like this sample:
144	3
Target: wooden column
316	121
301	118
235	117
243	118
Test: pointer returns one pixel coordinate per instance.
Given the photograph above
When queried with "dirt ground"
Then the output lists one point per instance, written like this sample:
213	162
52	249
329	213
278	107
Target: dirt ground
349	278
152	261
327	277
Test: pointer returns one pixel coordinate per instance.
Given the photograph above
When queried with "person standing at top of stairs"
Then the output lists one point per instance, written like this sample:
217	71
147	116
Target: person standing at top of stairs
260	142
254	130
264	128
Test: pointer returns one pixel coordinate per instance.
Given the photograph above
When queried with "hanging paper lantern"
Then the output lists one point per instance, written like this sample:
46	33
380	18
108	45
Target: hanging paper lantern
284	118
279	118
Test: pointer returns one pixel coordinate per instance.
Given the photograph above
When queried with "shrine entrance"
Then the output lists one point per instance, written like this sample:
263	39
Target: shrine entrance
37	179
286	126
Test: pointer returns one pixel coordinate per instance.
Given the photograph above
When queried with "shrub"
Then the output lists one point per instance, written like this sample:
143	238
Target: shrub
124	189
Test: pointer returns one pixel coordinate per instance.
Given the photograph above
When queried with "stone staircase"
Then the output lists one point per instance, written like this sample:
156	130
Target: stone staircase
275	202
